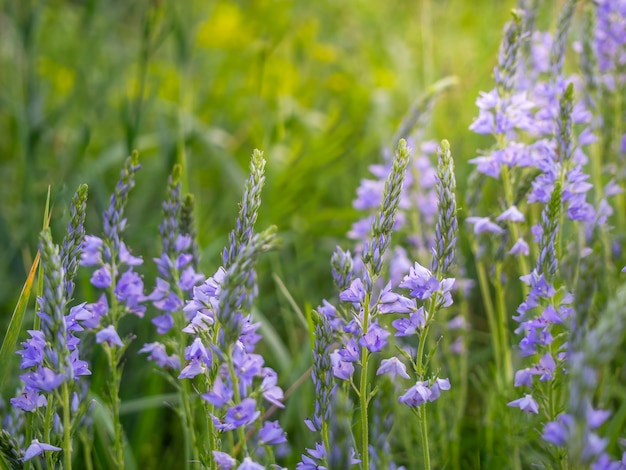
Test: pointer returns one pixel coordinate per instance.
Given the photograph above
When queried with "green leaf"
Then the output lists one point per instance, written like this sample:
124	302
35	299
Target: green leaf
15	325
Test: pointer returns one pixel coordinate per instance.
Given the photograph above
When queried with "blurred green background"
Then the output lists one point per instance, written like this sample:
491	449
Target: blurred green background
320	86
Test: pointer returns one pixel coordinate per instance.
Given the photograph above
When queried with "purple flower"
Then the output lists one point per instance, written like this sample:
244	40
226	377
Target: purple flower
223	460
390	302
221	393
110	336
270	391
520	248
421	282
91	254
392	367
375	339
355	293
101	278
37	448
527	403
483	224
242	414
437	386
248	464
351	352
417	395
127	258
43	379
408	326
271	434
341	369
29	400
157	353
512	214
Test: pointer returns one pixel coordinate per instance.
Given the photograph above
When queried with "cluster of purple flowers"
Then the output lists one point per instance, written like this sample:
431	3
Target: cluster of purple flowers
50	356
177	273
115	265
225	336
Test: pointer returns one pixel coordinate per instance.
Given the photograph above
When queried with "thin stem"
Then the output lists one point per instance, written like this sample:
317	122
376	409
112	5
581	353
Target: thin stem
187	415
67	427
363	393
114	386
491	317
421	372
502	325
233	377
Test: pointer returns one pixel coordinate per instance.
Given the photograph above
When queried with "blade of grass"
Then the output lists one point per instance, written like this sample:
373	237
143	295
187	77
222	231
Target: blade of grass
15	324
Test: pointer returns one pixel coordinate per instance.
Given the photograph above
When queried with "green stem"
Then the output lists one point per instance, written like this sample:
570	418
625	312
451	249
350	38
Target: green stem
67	427
502	326
47	428
363	393
243	443
421	372
491	317
191	439
114	386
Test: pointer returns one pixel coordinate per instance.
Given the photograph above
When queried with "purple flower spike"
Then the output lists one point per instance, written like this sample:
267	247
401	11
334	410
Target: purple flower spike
110	336
37	448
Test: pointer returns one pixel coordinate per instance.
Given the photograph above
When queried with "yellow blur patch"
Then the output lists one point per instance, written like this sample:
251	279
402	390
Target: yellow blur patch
324	53
61	78
224	29
384	78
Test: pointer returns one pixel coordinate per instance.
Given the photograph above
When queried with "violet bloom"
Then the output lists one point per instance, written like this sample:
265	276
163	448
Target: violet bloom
223	460
271	434
409	326
527	403
375	339
484	225
249	464
242	414
110	336
157	353
393	367
421	282
37	448
417	395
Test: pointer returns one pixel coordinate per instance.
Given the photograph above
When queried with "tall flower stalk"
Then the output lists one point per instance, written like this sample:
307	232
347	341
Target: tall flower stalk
177	278
51	355
222	352
123	292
